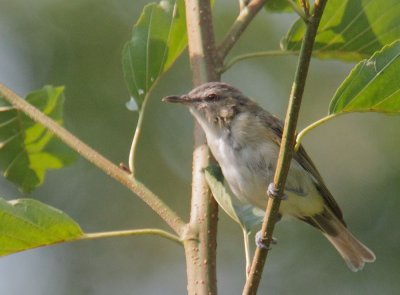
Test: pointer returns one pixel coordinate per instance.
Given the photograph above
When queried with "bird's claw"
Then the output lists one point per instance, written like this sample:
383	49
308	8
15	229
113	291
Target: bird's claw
273	192
261	242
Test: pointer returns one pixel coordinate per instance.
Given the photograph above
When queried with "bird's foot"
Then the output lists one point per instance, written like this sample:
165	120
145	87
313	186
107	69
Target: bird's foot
261	242
273	192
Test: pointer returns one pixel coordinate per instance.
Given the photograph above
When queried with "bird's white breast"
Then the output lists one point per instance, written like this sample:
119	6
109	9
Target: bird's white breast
239	165
248	167
245	182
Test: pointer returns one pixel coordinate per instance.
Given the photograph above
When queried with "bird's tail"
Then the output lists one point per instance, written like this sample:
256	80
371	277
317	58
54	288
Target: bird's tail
354	253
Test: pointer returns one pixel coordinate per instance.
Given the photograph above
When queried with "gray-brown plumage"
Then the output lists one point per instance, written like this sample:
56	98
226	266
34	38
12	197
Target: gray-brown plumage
244	138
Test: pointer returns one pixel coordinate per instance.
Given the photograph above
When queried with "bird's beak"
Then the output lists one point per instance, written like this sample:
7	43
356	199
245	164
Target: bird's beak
175	99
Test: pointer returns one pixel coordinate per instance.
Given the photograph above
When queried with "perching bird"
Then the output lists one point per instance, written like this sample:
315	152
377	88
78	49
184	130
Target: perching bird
244	139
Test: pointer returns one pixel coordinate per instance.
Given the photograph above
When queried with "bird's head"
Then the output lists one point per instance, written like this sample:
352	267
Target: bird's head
214	102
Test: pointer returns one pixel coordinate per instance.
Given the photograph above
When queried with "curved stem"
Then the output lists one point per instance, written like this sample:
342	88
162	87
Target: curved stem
152	200
241	57
136	136
303	132
133	232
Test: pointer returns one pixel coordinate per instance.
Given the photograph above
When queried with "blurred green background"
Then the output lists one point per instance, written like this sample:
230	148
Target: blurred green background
78	43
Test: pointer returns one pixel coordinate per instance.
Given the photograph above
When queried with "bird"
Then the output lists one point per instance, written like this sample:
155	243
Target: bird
244	138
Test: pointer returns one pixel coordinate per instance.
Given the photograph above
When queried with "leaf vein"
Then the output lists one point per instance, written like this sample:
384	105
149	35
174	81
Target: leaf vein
8	140
348	26
148	48
386	98
133	77
5	123
27	222
166	44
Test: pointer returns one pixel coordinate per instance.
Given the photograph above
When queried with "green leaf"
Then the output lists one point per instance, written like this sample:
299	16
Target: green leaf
248	216
350	29
372	86
27	224
27	149
278	6
158	38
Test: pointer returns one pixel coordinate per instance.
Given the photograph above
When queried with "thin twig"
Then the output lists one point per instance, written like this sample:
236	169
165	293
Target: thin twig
155	203
241	57
306	7
132	232
299	11
247	13
286	149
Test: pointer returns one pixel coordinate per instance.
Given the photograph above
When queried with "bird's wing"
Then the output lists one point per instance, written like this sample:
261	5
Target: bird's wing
294	183
305	161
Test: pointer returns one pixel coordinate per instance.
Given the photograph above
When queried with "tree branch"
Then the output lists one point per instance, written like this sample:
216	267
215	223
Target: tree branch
200	247
286	148
247	13
158	206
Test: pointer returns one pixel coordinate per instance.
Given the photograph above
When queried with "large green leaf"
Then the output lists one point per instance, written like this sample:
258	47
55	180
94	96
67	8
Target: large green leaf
158	38
27	223
372	86
351	29
27	149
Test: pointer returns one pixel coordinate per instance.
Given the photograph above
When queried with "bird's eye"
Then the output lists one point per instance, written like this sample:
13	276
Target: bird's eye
212	96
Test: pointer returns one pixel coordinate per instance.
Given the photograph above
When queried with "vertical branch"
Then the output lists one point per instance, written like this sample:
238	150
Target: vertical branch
286	149
201	244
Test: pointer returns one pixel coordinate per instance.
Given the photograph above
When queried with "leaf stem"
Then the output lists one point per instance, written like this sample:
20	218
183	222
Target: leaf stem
152	200
136	136
286	149
245	56
246	15
303	132
134	232
246	236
